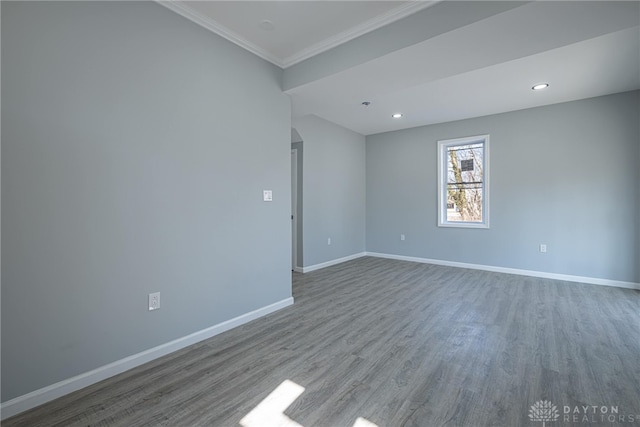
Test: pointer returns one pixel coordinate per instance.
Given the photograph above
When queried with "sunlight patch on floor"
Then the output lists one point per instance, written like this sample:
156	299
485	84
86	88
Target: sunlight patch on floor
362	422
270	412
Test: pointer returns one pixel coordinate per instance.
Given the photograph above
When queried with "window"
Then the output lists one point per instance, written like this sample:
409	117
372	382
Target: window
463	182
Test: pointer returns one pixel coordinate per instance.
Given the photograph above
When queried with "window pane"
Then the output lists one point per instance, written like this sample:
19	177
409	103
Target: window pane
465	182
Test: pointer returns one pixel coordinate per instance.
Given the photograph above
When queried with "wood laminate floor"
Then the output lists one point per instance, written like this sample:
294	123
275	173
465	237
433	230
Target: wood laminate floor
395	344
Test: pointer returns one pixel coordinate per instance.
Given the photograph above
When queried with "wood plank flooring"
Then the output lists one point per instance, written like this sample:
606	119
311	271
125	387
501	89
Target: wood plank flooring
398	344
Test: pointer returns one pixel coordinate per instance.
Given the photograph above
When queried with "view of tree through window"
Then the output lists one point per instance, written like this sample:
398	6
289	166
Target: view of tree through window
465	182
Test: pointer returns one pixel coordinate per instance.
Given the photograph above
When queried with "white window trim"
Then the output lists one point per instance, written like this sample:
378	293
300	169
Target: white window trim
442	182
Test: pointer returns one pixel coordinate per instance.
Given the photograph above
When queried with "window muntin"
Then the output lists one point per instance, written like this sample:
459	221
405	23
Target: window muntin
463	176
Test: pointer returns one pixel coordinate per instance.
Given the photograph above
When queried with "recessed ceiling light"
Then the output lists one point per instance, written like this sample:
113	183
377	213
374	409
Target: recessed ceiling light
396	115
540	86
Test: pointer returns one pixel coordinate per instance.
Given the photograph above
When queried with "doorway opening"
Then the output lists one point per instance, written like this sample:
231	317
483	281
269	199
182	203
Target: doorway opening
296	201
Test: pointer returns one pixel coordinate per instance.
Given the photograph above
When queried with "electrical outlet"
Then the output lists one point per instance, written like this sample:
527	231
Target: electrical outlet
543	248
329	241
402	237
154	301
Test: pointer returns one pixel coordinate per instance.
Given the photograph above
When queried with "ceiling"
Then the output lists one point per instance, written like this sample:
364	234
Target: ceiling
431	61
288	32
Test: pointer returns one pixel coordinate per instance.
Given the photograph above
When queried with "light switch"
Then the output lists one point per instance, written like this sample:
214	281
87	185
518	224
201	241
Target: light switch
267	196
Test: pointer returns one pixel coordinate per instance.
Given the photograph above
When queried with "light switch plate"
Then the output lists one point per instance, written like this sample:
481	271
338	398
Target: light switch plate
267	195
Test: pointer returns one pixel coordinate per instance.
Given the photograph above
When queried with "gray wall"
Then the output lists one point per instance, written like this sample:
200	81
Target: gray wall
124	173
333	192
565	175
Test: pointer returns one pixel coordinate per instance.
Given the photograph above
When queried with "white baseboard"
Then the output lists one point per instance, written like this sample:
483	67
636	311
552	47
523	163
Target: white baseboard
532	273
298	269
59	389
332	262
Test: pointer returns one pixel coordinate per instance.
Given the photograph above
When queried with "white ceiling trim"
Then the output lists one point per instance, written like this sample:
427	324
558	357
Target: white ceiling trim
182	9
392	15
406	9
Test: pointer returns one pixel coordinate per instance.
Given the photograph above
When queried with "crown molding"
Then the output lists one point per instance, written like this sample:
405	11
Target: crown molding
391	16
406	9
182	9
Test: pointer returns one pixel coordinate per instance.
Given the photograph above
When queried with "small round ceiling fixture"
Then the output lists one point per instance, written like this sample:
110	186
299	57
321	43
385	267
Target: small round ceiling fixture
366	103
397	115
540	86
267	25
